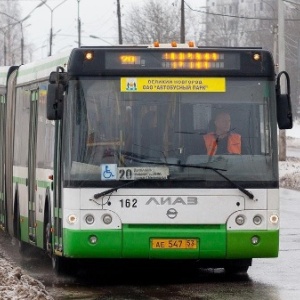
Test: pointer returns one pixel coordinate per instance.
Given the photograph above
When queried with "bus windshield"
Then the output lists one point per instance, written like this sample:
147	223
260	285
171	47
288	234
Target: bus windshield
117	133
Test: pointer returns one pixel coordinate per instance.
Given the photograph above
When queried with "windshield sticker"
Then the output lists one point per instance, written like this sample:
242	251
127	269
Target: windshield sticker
173	84
143	173
109	172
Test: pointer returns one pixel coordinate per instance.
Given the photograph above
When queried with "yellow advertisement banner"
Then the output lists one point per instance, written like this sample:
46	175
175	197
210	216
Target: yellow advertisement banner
173	84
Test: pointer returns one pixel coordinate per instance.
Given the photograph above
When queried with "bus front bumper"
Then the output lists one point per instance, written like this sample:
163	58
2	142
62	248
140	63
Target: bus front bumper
136	242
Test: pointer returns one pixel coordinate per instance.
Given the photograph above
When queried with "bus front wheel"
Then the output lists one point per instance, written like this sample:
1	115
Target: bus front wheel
239	266
62	265
58	264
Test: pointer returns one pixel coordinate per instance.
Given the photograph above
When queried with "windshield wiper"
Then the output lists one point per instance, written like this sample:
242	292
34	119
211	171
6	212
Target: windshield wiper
104	193
243	190
216	170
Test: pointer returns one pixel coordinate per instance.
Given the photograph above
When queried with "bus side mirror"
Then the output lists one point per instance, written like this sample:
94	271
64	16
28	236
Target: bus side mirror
55	95
284	106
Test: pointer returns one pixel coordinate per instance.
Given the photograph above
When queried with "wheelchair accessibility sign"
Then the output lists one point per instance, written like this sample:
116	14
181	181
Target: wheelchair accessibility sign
109	172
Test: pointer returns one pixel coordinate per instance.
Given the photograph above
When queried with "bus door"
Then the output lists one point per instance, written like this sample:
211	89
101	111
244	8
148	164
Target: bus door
58	230
2	155
32	166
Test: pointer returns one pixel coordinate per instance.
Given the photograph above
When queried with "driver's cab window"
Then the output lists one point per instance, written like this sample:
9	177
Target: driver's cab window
224	129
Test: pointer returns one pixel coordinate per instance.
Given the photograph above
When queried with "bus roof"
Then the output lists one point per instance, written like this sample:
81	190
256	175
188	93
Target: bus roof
3	74
41	69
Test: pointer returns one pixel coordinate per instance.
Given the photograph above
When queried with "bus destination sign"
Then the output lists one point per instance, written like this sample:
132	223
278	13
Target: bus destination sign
173	84
172	60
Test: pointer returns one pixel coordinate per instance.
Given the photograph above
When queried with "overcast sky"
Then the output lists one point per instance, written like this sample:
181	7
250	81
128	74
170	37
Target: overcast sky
98	18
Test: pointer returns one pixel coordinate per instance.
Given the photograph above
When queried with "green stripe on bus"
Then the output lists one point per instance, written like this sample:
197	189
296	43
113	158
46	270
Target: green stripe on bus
19	180
43	184
40	183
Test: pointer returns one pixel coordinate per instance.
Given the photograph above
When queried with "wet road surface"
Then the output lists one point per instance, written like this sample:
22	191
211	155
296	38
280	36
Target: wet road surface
267	279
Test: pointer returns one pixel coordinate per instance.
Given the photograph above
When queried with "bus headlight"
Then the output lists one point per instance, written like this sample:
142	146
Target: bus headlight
72	219
89	219
107	219
257	220
274	219
240	219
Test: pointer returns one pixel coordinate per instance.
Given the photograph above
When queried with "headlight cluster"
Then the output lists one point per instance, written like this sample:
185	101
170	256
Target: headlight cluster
106	219
90	219
257	219
241	219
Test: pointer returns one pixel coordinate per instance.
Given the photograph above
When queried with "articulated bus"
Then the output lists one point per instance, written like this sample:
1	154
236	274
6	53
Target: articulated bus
103	155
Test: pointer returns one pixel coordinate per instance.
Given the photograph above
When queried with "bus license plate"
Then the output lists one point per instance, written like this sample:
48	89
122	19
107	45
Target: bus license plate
174	243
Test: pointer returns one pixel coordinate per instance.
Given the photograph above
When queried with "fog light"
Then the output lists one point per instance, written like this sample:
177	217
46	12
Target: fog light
89	219
255	240
240	219
274	219
107	219
257	220
72	219
93	239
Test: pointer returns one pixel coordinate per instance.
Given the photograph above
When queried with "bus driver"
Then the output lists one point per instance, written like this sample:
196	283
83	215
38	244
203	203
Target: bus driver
222	140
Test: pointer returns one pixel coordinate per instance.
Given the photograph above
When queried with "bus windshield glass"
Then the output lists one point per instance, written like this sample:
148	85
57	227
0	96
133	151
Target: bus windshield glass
167	128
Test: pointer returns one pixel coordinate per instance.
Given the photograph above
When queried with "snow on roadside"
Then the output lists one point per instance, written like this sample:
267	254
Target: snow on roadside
289	170
15	284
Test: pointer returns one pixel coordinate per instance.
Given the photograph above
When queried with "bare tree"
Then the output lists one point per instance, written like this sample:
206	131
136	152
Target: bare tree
292	49
153	20
11	33
159	20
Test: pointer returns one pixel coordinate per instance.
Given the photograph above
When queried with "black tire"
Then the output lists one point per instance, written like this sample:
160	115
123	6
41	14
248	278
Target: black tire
238	266
47	232
16	224
236	269
58	264
24	248
62	265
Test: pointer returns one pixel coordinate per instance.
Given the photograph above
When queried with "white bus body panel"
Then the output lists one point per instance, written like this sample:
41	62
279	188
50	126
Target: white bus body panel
153	207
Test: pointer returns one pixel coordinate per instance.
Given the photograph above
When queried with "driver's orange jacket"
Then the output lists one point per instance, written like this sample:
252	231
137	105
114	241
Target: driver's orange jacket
234	144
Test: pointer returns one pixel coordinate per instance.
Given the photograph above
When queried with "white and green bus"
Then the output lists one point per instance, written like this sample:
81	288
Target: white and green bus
105	157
